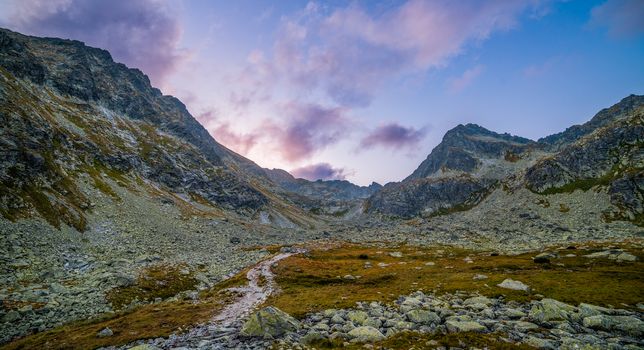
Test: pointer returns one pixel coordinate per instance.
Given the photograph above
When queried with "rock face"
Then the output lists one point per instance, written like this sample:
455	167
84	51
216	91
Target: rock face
269	322
428	196
464	149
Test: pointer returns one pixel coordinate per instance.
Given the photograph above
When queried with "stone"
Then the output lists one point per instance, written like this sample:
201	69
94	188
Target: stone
514	285
357	317
524	326
312	337
269	322
365	334
538	343
105	332
396	254
513	313
626	257
479	277
144	347
477	300
423	317
586	310
465	326
11	316
625	324
337	319
548	310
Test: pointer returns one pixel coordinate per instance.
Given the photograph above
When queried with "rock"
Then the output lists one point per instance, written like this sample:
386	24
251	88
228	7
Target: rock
479	277
337	319
269	322
430	263
514	285
365	334
105	332
513	313
478	300
538	343
626	257
548	310
625	324
396	254
11	316
586	310
423	317
465	326
349	277
358	317
312	337
523	326
144	347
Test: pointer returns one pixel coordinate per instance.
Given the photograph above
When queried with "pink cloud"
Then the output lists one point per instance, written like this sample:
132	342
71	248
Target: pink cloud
623	18
142	34
319	171
240	143
458	84
306	129
349	53
393	136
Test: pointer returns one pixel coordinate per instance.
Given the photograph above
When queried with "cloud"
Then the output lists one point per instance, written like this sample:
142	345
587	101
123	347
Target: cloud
393	136
142	34
457	84
347	54
306	129
623	18
319	171
240	143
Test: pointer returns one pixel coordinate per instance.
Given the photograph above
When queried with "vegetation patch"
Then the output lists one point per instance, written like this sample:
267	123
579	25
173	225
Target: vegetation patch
320	280
158	281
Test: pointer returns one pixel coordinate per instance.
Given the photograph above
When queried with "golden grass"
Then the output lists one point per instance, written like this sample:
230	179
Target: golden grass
315	282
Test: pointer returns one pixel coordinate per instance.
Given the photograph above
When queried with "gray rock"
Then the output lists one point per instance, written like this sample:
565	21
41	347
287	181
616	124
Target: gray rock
105	332
423	317
365	334
514	285
269	322
548	310
465	326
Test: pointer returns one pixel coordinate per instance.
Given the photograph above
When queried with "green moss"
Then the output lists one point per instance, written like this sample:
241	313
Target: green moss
160	281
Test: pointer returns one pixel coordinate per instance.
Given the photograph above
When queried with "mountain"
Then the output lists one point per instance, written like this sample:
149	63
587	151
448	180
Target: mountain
70	112
470	149
471	162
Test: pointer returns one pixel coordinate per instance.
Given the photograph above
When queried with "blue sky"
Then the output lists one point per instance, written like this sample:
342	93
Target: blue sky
363	90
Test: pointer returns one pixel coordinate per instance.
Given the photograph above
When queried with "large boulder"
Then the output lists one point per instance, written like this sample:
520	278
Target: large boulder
269	322
423	317
625	324
548	310
365	334
454	326
509	283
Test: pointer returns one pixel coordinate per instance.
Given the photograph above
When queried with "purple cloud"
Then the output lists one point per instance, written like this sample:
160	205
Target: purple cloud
393	136
348	53
319	171
240	143
306	129
141	34
623	18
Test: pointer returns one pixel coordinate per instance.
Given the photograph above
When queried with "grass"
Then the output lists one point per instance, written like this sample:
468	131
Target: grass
145	322
158	281
315	282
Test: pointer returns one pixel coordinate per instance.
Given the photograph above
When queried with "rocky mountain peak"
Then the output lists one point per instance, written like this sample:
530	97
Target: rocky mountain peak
465	146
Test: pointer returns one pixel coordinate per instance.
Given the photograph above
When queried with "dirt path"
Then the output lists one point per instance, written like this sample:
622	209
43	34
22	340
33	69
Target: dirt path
253	294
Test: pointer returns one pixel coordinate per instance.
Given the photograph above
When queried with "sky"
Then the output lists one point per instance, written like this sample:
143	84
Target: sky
362	90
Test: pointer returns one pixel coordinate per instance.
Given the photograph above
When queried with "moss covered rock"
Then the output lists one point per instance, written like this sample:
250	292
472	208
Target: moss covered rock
269	322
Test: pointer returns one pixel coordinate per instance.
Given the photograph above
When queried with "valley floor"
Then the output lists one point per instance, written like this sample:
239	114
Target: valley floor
327	294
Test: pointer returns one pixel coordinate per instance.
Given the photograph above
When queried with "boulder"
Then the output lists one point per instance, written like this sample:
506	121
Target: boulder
365	334
269	322
358	317
105	332
548	310
625	324
423	317
514	285
464	326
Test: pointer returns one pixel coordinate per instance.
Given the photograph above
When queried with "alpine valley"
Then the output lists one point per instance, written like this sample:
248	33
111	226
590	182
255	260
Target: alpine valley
125	225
